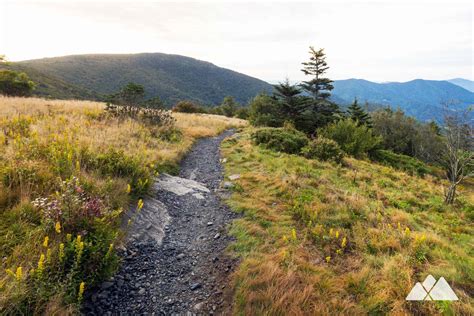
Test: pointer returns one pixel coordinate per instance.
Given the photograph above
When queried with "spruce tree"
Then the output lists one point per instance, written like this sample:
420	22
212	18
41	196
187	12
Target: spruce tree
357	114
319	86
292	104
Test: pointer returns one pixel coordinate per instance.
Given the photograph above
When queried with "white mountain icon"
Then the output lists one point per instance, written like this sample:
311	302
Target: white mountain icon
430	290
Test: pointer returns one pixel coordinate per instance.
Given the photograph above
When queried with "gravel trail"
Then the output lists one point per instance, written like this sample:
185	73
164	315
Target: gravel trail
174	261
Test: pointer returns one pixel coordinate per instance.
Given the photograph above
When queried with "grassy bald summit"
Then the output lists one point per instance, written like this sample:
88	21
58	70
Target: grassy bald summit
171	77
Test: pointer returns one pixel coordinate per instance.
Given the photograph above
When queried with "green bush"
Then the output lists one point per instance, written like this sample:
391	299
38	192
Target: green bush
265	111
323	149
281	139
354	140
399	161
188	107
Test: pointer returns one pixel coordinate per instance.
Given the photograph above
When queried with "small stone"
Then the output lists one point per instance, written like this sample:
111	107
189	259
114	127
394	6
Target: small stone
153	299
180	256
234	177
198	306
209	223
141	291
216	236
228	185
195	286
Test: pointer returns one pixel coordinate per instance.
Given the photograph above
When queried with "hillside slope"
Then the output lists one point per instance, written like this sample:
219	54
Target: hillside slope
422	99
464	83
318	238
48	86
171	77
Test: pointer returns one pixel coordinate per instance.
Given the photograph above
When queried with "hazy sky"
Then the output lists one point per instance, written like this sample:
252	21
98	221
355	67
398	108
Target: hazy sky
375	40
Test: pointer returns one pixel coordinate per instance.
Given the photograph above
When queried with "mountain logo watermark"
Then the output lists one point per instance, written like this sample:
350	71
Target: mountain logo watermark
432	290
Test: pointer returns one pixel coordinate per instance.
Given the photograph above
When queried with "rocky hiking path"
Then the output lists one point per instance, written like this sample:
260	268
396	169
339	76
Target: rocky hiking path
174	261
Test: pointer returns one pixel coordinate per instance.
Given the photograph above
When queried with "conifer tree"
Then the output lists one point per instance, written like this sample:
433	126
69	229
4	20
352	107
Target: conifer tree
357	114
319	86
292	104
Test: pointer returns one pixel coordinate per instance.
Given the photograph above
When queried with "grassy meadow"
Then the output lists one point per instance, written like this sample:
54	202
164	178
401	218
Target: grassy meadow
67	172
352	239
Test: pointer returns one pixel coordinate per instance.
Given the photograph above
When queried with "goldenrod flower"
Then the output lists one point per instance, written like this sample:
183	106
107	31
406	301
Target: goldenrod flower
140	204
57	227
407	231
48	255
330	232
343	242
68	237
129	188
337	234
285	239
80	294
293	234
45	242
10	272
19	273
328	259
61	252
41	264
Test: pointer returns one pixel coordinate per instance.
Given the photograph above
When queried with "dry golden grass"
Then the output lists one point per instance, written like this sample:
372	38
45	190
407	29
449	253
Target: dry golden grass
296	214
45	141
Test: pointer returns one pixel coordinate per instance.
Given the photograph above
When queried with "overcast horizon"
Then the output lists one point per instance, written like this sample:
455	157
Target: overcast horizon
382	42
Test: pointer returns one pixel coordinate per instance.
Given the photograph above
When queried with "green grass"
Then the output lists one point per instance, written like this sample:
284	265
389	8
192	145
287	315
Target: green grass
322	238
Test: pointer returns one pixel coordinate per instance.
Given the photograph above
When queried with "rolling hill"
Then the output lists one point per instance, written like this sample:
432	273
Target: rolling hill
464	83
171	77
422	99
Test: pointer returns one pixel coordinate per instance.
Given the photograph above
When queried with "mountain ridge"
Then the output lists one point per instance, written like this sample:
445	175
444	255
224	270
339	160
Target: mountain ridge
169	76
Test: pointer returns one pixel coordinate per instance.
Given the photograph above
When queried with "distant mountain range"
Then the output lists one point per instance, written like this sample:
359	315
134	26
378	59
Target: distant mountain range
171	77
423	99
174	78
466	84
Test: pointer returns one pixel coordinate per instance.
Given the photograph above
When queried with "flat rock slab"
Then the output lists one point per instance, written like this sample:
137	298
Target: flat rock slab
148	224
180	186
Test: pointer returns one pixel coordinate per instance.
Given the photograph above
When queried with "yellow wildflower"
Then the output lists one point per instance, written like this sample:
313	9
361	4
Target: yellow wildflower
140	204
61	251
343	242
337	234
41	264
57	227
19	273
68	237
80	294
407	231
293	234
328	259
129	222
330	232
129	188
45	242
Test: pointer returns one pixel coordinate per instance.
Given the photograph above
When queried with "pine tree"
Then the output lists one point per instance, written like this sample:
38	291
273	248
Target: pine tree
319	86
357	114
292	104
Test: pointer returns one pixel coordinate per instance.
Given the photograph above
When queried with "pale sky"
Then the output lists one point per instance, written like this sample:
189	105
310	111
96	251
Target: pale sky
374	40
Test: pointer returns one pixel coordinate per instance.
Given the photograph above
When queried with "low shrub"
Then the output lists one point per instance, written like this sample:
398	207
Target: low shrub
188	107
354	140
281	139
323	149
402	162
